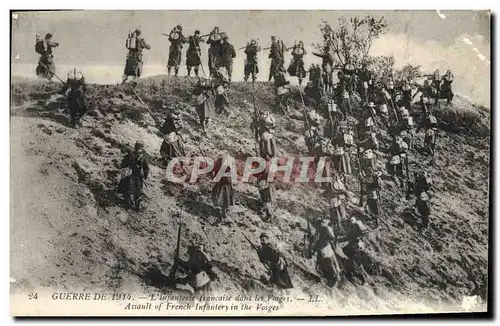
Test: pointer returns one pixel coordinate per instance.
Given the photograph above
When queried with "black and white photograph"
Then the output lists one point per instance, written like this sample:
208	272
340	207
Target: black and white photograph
259	163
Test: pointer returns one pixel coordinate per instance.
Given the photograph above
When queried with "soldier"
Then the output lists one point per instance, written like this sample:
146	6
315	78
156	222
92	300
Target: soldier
276	56
446	86
227	54
344	143
395	165
135	170
436	85
214	39
198	269
423	208
176	39
338	195
327	67
282	87
408	127
333	115
193	53
133	66
267	192
46	67
365	78
204	105
266	128
384	114
296	67
173	121
354	250
372	192
406	92
275	263
251	62
431	136
222	191
172	146
220	85
324	244
75	89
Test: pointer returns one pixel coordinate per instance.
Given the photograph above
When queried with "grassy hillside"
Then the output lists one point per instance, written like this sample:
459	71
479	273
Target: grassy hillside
64	199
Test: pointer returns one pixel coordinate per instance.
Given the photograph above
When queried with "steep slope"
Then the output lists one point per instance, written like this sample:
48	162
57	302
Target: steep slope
64	202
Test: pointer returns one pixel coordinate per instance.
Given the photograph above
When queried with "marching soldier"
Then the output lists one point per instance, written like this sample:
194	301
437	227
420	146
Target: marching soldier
296	67
276	56
133	66
251	62
215	40
227	54
193	53
372	191
176	39
75	89
275	263
222	191
46	67
204	105
324	244
135	170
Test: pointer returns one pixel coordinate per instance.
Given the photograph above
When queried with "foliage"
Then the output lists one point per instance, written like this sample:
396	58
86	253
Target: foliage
352	40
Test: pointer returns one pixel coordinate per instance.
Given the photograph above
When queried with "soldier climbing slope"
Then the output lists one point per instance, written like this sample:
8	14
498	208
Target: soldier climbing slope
220	86
75	89
372	191
251	62
325	243
267	192
222	191
204	102
275	263
135	170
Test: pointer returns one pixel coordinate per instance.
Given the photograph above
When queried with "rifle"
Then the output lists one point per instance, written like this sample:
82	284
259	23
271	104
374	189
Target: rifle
256	115
147	108
257	250
307	236
174	268
50	72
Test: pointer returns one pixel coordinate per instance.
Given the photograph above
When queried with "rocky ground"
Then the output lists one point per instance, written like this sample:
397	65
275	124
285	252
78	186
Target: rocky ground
70	230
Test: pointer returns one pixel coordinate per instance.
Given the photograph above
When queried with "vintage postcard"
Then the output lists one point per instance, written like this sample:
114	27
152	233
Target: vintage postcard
249	163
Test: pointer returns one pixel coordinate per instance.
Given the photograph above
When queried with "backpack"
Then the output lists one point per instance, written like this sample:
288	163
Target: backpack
131	42
40	46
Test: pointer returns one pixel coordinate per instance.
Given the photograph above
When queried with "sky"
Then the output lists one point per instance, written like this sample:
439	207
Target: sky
457	40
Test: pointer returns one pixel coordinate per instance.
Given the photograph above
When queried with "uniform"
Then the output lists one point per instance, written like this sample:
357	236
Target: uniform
296	67
222	191
176	39
219	84
214	40
76	89
338	212
326	260
204	103
267	192
327	68
251	62
46	66
198	268
276	262
137	170
446	81
276	56
193	54
134	63
227	53
266	133
172	147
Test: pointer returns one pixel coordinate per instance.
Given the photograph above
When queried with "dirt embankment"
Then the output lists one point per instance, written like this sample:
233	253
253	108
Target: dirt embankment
70	230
